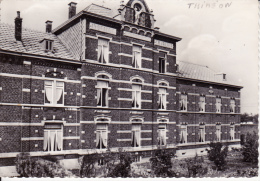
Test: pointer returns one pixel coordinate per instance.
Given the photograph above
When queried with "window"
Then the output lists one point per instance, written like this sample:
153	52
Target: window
232	106
103	50
136	135
218	105
136	96
202	104
202	133
162	62
101	136
102	93
53	137
54	92
218	132
49	45
137	56
232	132
183	102
162	98
183	135
162	135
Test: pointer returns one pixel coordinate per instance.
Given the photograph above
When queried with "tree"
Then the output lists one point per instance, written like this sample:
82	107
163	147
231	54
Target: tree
195	166
218	154
161	164
250	148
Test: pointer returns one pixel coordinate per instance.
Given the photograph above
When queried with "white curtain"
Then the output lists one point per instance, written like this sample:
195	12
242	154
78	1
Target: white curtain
232	133
162	98
59	140
49	91
45	140
183	102
52	138
136	95
102	93
202	103
136	135
202	134
103	50
183	134
162	135
101	136
218	104
232	106
218	132
137	56
59	92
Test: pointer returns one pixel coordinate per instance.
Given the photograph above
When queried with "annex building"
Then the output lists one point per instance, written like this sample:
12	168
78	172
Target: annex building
107	81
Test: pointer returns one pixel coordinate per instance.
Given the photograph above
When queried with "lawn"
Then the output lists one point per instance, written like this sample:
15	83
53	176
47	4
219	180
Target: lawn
236	167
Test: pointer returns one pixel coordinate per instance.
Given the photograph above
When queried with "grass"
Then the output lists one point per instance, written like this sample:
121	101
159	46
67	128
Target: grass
236	167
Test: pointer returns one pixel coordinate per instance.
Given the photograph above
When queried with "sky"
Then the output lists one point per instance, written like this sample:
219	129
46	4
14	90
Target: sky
221	34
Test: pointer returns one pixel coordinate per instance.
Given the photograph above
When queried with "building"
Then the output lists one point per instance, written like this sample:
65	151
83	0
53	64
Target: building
100	81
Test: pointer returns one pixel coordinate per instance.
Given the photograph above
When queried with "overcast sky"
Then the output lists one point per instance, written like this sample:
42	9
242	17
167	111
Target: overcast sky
222	34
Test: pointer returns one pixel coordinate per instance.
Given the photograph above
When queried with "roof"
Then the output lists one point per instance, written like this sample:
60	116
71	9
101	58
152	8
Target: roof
31	42
100	10
201	72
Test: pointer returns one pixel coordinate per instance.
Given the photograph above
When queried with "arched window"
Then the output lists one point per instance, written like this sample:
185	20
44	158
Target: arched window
102	88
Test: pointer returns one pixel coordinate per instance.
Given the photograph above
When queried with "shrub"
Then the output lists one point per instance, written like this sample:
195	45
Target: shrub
218	154
123	168
250	148
27	166
161	164
195	166
106	165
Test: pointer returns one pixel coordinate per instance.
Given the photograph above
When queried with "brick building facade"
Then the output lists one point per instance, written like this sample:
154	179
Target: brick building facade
102	81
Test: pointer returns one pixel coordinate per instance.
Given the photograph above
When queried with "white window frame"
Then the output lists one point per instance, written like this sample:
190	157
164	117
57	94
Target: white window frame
136	135
218	105
51	89
137	57
136	96
101	136
232	132
51	137
162	129
161	67
202	104
232	106
162	95
103	51
183	134
202	134
183	102
218	132
102	100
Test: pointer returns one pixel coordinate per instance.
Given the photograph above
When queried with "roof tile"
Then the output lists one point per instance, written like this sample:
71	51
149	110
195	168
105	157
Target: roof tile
31	42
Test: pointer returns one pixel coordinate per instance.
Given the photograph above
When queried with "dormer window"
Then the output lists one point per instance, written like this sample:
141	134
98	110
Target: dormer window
49	45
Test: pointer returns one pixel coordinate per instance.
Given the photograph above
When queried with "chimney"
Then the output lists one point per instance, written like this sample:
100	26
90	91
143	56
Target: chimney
72	9
18	27
48	26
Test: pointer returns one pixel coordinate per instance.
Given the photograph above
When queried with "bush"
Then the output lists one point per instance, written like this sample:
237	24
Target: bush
218	154
161	164
123	168
106	165
250	148
27	166
249	172
195	166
